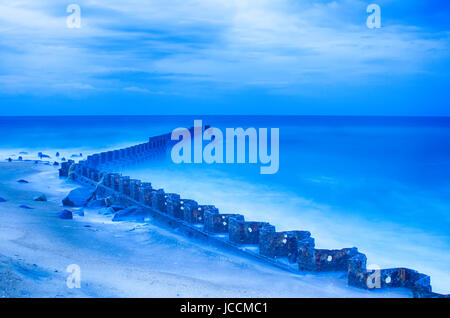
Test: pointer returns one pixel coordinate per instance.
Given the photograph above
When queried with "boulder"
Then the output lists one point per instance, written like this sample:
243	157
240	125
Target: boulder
41	198
2	200
133	213
107	211
42	155
78	197
96	203
22	181
117	208
26	207
65	215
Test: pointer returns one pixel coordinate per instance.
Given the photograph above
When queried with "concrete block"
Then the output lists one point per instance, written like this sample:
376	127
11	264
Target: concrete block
322	260
218	223
281	244
158	200
173	206
244	232
192	212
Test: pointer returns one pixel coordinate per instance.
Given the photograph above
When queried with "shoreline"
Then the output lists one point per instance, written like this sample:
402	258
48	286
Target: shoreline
128	259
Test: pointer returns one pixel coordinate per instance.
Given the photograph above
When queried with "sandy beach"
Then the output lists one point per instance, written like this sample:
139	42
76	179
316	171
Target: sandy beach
122	259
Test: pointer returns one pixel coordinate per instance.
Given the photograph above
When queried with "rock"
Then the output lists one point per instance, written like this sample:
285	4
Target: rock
41	155
108	211
57	154
26	207
20	158
78	197
65	215
2	200
80	212
56	163
63	159
22	181
116	208
41	198
9	159
133	213
112	209
95	203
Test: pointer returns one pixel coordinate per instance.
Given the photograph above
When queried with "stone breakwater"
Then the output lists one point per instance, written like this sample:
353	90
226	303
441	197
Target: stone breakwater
289	250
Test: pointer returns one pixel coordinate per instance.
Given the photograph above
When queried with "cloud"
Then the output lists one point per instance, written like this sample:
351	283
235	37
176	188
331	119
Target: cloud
137	89
184	46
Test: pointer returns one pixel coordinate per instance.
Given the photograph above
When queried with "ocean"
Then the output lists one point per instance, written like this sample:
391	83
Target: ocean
381	184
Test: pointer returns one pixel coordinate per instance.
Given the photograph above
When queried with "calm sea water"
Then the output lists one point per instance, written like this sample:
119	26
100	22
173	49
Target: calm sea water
381	183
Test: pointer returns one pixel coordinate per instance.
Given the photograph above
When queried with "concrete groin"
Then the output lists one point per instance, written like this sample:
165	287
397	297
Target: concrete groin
289	250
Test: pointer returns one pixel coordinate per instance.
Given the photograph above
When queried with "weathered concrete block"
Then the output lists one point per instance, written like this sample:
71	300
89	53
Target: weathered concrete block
158	200
281	244
218	223
95	175
84	171
135	189
65	167
244	232
173	205
321	260
359	276
145	193
124	185
193	213
357	271
107	180
115	181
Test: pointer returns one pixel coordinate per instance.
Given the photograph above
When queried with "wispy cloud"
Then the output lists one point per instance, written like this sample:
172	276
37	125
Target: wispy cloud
181	46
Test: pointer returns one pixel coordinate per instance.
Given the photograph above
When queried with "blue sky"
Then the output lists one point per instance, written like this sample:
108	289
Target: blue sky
224	57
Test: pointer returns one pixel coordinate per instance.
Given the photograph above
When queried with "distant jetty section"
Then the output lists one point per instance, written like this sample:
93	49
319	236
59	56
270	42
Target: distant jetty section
290	250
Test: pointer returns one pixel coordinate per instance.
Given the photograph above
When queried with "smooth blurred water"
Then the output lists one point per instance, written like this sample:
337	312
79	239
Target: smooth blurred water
379	183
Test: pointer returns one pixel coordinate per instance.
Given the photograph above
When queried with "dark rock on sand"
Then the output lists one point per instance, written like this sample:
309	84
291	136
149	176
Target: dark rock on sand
41	198
56	163
65	215
78	197
9	159
57	154
2	200
116	208
133	213
42	155
22	181
96	203
26	207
